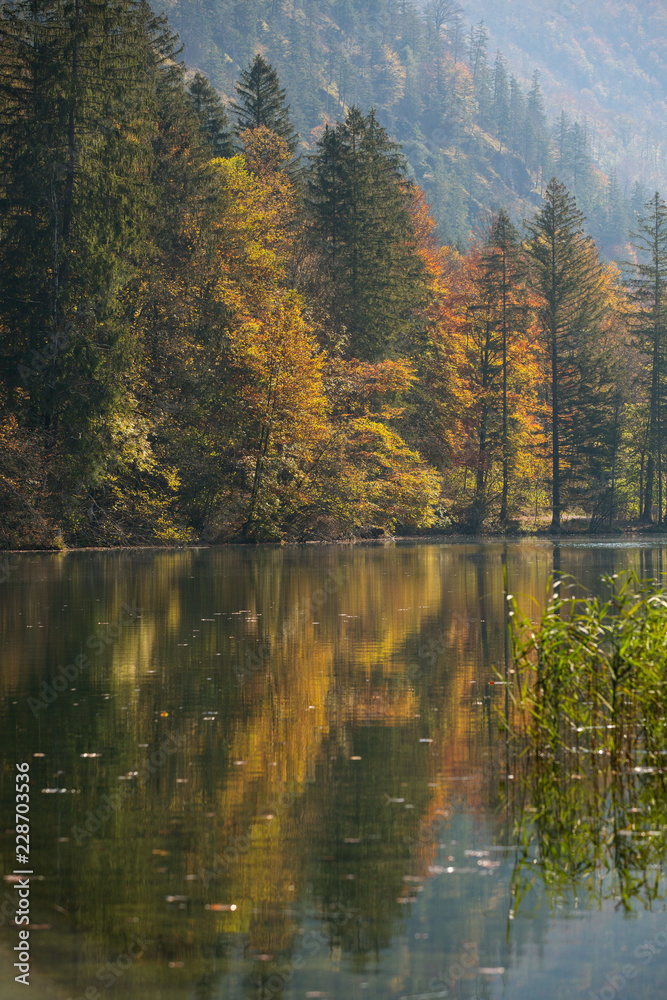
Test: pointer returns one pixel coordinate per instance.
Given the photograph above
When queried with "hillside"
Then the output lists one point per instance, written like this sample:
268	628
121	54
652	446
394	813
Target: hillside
604	60
474	124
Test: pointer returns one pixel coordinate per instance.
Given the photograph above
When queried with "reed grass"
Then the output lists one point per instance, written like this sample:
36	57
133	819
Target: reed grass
587	734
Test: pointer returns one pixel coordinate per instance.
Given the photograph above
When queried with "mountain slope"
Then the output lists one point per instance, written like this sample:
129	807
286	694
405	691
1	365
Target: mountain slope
476	137
605	60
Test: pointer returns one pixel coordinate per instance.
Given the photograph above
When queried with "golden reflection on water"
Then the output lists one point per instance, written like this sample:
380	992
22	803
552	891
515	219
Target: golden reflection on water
305	724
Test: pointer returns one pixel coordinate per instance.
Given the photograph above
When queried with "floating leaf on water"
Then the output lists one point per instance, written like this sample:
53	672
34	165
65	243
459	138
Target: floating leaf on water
176	965
160	853
352	840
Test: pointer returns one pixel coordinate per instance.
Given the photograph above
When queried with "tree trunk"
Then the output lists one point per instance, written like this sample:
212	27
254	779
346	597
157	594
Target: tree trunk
555	501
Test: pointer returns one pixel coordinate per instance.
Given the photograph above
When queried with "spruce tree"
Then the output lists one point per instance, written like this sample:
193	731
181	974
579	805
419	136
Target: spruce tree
536	147
76	121
568	278
262	102
501	100
358	201
649	290
211	114
72	196
504	274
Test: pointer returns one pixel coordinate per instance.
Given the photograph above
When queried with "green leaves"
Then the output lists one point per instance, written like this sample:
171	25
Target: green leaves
588	714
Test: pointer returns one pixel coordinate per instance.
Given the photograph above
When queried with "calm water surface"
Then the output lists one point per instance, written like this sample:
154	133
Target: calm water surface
278	773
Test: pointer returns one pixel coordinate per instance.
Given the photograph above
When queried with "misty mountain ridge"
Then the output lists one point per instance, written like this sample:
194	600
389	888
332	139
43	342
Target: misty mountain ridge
487	102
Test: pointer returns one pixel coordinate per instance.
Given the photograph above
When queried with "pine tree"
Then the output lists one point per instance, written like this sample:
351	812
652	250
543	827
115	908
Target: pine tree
262	102
536	147
360	224
503	281
211	114
517	115
481	75
75	120
569	280
650	327
501	100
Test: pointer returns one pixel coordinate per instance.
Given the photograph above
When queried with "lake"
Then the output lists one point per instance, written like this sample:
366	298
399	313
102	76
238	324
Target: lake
279	773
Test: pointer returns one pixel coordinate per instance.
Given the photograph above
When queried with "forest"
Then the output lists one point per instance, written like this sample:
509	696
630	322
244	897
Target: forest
215	328
488	102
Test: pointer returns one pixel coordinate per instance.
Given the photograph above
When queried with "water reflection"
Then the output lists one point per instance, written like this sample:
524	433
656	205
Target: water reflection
279	772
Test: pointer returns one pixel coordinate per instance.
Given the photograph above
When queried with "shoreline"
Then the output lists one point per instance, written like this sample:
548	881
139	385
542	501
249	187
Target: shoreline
618	534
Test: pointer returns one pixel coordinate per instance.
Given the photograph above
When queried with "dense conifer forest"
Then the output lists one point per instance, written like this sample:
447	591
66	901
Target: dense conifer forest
303	311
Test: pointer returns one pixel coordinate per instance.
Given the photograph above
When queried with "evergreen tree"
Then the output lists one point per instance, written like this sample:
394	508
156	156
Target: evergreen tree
536	149
650	327
504	273
211	114
360	223
501	100
569	280
262	102
481	74
517	109
74	121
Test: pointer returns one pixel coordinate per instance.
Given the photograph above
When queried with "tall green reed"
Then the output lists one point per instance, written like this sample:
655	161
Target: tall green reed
587	724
